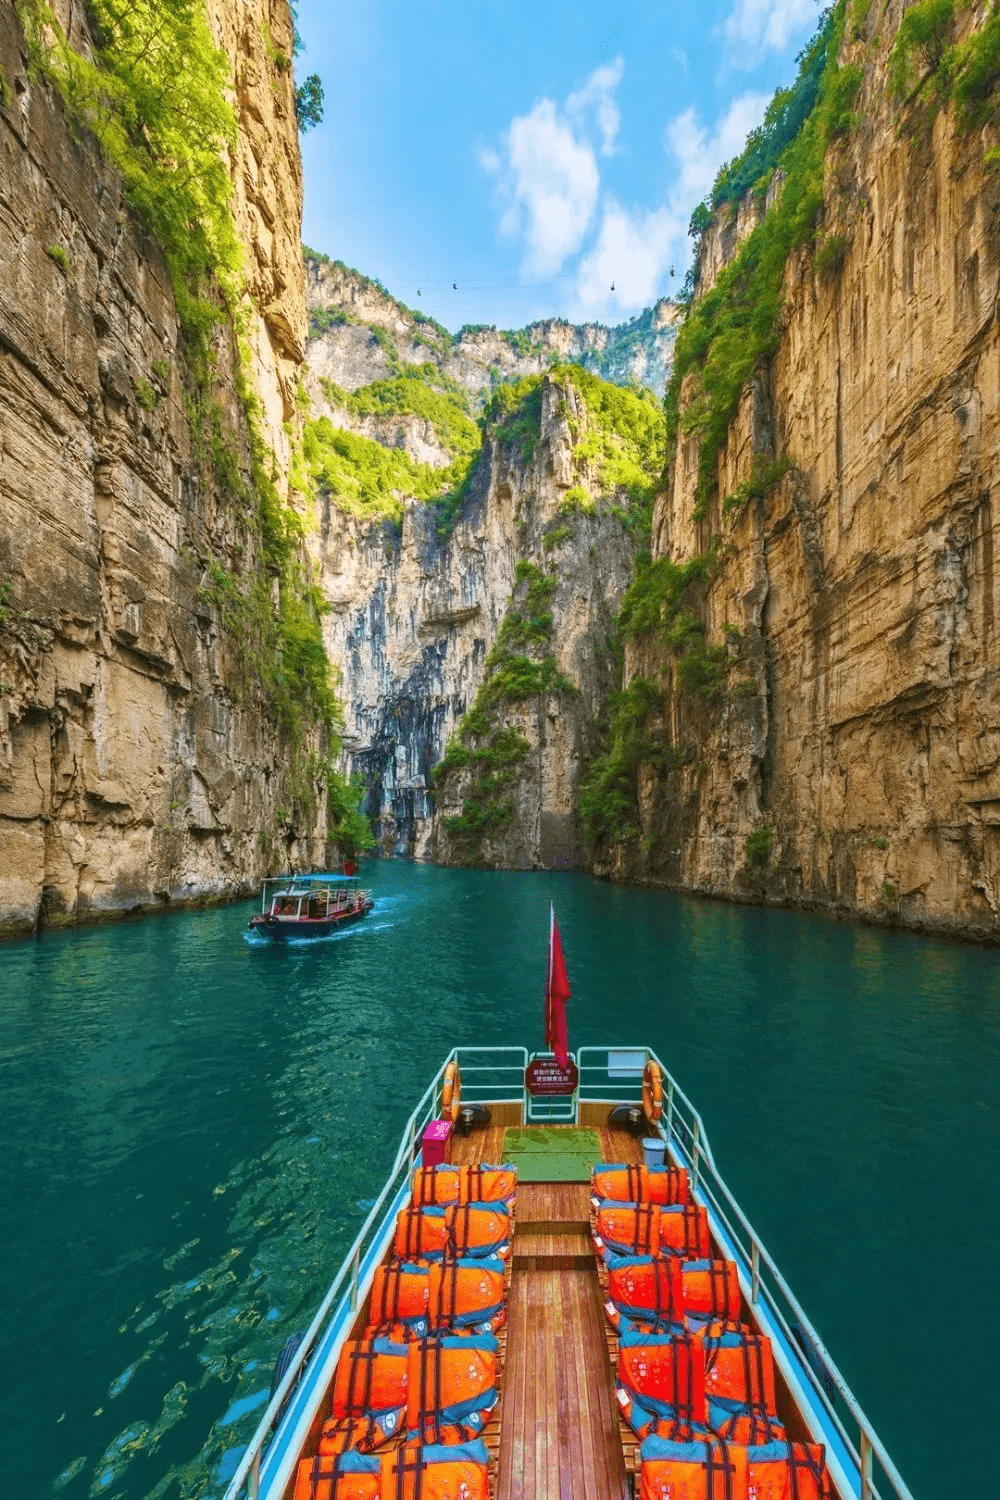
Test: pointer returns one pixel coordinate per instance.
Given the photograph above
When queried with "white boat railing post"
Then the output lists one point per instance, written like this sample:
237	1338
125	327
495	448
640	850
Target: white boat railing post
413	1142
355	1265
694	1155
754	1271
866	1465
670	1109
253	1480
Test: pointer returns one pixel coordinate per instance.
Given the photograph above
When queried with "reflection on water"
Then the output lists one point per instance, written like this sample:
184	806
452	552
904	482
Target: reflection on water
194	1126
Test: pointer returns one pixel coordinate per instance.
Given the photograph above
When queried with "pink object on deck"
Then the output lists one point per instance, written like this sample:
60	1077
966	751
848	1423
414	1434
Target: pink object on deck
436	1143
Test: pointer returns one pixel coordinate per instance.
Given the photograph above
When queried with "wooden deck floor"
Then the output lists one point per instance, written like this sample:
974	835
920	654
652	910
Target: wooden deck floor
558	1430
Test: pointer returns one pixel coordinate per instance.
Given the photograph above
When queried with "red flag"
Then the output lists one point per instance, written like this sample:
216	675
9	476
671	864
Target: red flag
557	992
350	868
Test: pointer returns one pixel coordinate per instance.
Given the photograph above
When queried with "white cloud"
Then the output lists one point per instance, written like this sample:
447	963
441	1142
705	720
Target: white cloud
597	94
758	26
553	188
549	180
635	250
700	153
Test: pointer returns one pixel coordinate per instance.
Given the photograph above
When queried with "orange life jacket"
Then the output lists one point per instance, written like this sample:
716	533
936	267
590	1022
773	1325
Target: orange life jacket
789	1471
710	1289
651	1228
344	1476
371	1382
459	1229
400	1298
661	1384
439	1186
684	1231
739	1383
453	1386
647	1290
627	1228
630	1184
467	1294
430	1472
705	1469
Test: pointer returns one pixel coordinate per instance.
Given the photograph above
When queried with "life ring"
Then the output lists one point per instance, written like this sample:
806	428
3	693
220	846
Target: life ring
652	1091
451	1092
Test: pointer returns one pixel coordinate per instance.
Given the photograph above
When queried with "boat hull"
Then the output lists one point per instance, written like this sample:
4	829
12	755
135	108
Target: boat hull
280	930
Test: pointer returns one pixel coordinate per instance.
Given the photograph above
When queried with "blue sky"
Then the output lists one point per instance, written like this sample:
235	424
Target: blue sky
532	153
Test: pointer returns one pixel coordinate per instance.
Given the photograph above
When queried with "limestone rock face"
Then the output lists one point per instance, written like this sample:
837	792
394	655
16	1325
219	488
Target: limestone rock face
348	352
257	36
866	732
413	620
132	769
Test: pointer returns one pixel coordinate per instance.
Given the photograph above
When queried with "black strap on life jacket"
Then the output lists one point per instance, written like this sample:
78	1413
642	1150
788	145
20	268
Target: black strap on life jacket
692	1228
475	1183
643	1216
718	1285
408	1462
362	1357
634	1179
449	1280
389	1302
717	1461
411	1249
327	1468
799	1457
430	1355
658	1267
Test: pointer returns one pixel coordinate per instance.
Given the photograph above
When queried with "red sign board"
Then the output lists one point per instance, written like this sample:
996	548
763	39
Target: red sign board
543	1076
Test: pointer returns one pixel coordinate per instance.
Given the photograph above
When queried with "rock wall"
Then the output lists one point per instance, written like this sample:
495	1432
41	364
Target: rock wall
133	770
640	350
862	742
414	618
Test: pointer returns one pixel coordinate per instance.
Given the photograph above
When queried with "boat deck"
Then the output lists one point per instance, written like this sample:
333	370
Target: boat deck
558	1425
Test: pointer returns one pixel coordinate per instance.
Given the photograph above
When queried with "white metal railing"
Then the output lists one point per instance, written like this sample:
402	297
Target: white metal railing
495	1075
796	1345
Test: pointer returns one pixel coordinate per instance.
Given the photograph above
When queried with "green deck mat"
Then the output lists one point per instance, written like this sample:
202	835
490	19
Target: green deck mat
547	1154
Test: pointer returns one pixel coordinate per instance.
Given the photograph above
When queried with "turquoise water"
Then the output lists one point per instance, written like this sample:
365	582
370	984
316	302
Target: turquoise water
193	1130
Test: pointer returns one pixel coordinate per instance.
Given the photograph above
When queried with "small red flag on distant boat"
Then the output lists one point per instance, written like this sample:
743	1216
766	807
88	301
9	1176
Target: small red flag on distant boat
557	992
350	868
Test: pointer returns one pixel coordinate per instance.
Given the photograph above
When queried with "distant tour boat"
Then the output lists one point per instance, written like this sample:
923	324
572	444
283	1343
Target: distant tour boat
309	906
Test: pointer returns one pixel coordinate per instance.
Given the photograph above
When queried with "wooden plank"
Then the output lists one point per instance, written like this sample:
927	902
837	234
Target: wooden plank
568	1356
594	1472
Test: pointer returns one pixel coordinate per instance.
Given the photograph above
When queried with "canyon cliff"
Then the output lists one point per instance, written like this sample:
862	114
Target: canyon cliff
136	765
424	599
840	750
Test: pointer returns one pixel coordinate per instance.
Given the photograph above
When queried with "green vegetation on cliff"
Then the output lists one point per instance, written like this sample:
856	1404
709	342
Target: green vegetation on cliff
662	606
636	735
736	324
154	95
622	446
929	66
520	666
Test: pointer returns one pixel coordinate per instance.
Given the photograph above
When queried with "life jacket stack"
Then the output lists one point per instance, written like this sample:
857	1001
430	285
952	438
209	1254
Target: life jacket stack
413	1393
694	1383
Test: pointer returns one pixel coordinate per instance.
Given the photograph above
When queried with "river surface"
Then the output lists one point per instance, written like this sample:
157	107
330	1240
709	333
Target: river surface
193	1130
